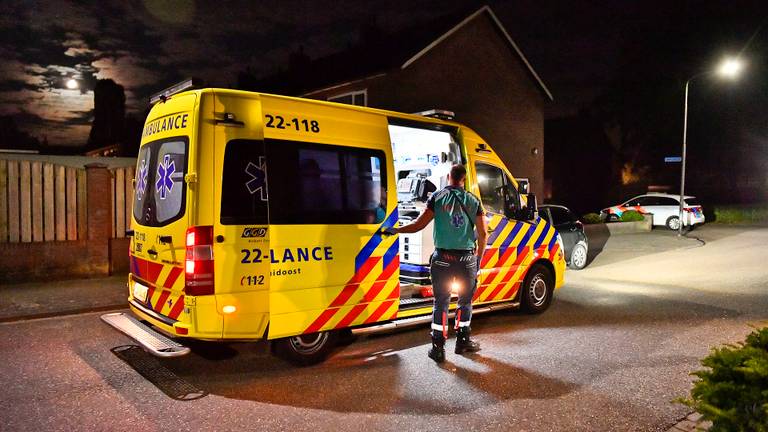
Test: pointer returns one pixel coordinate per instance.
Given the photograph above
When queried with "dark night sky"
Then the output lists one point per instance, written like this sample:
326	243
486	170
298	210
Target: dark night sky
580	49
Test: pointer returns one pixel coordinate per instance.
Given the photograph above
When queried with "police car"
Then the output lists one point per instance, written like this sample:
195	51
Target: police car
665	209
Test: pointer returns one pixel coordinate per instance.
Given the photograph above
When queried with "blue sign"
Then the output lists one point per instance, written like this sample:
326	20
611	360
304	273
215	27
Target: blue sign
673	159
165	170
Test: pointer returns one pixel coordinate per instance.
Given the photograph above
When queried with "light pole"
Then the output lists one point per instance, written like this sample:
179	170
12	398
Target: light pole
730	68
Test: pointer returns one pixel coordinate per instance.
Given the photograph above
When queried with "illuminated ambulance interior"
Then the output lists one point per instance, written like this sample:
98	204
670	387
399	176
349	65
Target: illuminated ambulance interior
422	159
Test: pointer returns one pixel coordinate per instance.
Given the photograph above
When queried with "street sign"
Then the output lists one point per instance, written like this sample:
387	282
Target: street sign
669	159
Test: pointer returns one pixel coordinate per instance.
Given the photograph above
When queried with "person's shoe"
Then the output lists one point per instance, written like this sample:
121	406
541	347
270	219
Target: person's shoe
464	343
437	351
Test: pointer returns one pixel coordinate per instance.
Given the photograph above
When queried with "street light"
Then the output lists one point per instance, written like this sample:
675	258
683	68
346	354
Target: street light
729	68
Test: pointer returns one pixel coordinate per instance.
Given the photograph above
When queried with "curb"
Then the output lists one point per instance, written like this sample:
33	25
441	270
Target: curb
11	319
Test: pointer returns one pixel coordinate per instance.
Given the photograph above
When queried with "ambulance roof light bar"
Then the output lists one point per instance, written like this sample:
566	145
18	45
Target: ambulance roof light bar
187	84
438	114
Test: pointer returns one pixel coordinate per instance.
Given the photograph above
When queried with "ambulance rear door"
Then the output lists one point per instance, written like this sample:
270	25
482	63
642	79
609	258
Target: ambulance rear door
240	215
160	209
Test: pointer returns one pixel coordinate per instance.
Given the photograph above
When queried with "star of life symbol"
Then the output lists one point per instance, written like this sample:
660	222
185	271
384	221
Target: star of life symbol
457	220
141	179
258	181
165	170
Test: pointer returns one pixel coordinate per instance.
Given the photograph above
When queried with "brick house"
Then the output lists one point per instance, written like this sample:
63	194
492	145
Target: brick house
470	66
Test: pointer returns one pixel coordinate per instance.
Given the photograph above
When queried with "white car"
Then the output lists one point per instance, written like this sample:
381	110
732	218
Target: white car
664	207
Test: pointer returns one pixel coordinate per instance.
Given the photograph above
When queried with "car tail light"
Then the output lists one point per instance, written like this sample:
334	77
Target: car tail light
198	266
580	225
688	209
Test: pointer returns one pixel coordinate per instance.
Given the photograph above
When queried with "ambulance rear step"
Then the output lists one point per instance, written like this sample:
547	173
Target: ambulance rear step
152	341
414	321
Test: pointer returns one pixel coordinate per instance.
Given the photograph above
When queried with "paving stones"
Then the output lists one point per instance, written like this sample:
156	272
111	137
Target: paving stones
693	422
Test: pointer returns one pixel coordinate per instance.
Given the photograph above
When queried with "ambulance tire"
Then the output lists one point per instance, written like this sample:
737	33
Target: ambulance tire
673	223
537	289
305	350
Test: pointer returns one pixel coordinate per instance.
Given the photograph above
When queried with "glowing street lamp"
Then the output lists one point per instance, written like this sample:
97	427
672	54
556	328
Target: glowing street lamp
729	68
72	84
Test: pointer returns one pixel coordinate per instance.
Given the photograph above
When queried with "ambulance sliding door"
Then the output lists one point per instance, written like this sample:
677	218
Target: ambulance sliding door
331	192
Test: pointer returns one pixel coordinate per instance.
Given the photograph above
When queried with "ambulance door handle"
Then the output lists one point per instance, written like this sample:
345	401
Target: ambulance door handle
152	253
166	239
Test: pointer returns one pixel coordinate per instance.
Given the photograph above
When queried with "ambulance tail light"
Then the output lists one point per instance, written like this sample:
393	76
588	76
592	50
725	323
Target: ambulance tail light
198	266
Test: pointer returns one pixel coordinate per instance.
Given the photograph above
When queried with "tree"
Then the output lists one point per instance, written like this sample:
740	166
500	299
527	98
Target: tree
108	115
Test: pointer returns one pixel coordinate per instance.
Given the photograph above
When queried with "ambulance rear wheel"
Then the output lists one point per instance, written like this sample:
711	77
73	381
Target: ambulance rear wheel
307	349
537	290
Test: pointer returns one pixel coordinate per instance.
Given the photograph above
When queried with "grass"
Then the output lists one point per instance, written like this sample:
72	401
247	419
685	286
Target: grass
753	214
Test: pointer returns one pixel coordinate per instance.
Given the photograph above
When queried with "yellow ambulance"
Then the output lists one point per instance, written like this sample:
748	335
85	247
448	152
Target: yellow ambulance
258	217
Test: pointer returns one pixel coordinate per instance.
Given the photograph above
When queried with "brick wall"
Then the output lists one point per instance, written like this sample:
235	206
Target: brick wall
475	73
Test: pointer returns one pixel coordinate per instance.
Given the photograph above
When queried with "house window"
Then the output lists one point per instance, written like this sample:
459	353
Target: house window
359	98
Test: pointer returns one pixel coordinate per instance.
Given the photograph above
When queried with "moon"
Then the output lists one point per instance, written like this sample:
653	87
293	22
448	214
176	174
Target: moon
72	84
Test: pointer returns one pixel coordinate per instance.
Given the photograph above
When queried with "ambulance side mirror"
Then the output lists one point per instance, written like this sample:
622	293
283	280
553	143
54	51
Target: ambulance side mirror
523	186
528	212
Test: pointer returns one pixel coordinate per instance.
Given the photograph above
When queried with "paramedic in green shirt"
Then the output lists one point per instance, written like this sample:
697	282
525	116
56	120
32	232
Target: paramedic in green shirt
460	237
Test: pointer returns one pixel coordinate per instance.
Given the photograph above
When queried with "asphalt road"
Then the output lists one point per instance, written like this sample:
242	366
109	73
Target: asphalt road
611	353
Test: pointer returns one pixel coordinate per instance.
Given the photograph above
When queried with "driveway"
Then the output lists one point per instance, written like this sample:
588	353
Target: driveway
611	353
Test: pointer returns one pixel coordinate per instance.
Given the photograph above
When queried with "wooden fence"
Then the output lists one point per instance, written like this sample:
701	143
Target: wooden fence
122	200
41	201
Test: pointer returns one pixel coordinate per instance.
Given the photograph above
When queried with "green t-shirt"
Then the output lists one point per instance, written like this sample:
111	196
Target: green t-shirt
453	229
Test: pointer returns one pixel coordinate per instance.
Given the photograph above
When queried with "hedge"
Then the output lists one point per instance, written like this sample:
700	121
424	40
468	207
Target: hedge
733	392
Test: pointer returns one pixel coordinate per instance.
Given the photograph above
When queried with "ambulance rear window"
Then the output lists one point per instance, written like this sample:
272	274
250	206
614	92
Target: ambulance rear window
159	192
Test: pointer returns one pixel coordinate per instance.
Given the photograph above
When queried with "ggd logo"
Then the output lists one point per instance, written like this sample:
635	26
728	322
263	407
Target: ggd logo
254	232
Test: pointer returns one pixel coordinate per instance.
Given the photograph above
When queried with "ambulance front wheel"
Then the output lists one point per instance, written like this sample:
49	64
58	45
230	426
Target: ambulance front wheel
305	350
537	290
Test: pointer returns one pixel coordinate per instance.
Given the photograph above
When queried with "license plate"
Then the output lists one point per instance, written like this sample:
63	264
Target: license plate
140	292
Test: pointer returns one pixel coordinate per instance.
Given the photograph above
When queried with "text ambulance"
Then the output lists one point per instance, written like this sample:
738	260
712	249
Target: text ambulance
261	217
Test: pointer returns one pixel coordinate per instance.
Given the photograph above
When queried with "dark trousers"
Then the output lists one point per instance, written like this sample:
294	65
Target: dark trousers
452	272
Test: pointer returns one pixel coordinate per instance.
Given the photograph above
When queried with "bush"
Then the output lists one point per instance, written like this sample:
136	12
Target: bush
631	216
733	392
741	214
591	218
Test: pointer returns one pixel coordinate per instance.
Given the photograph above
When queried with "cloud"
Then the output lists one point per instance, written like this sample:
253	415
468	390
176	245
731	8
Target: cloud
148	45
77	47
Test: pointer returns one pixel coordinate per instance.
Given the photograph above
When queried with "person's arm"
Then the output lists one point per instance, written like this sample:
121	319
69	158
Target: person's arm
422	221
482	237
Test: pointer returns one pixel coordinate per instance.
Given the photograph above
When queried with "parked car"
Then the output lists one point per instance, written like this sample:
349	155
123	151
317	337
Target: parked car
566	223
664	207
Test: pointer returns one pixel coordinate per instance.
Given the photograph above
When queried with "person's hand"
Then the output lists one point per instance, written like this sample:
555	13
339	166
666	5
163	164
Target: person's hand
478	264
389	231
